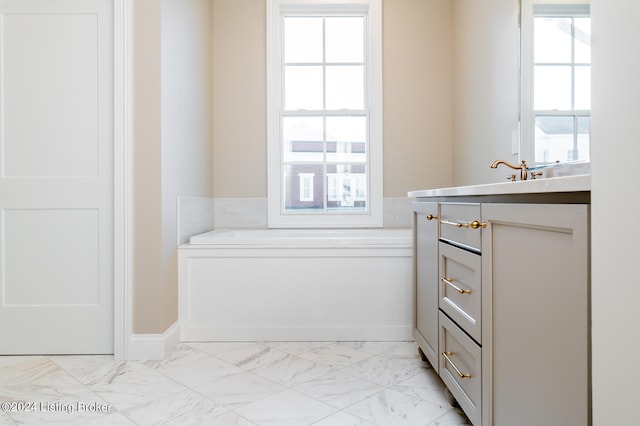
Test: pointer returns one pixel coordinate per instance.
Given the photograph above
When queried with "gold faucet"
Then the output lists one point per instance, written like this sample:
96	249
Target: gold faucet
522	167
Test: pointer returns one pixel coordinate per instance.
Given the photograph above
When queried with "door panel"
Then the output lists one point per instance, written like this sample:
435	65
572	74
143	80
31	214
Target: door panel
51	257
56	176
50	73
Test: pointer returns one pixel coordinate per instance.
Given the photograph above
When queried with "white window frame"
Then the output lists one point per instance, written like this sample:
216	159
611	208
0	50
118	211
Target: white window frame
527	14
372	216
306	186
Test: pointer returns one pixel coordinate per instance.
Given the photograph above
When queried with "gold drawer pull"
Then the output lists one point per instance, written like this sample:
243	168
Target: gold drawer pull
473	225
446	355
431	217
449	282
456	224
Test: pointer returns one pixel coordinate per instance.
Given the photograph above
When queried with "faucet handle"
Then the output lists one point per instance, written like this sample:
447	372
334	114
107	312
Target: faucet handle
535	174
512	178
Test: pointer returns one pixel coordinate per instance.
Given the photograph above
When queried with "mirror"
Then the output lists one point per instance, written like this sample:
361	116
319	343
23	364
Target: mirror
555	56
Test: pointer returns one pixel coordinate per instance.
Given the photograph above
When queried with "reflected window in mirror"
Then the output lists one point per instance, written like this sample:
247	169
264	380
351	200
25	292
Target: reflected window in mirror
556	81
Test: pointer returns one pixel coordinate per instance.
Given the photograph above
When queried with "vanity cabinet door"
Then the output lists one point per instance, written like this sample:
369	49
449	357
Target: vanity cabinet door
535	277
426	279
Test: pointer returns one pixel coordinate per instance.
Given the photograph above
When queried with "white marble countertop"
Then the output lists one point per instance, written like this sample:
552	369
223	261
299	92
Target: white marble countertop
556	184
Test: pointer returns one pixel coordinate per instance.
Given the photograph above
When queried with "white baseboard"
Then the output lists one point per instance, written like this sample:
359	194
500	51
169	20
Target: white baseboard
274	334
143	347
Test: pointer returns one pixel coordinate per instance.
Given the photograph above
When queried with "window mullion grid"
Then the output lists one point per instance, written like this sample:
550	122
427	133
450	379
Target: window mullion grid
324	115
573	87
572	112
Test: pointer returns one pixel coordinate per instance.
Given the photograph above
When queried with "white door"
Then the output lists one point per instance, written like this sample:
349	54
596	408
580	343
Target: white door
56	176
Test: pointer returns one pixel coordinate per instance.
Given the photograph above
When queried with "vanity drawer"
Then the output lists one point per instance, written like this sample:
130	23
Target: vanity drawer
461	368
457	222
460	294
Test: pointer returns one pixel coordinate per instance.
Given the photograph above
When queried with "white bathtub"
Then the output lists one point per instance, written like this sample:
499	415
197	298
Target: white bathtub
293	285
306	237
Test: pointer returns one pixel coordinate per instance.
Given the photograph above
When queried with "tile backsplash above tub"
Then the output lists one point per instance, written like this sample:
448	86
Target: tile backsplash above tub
195	216
198	214
242	213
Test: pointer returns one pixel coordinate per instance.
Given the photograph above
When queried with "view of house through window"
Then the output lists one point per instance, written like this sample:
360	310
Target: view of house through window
557	84
324	118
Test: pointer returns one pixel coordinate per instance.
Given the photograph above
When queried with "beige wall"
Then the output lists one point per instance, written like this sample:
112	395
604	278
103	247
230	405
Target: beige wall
417	50
486	88
451	93
147	165
417	101
171	144
239	102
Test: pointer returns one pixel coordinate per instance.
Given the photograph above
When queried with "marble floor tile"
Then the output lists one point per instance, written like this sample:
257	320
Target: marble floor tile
214	348
453	417
234	384
296	348
227	419
374	348
408	355
71	406
291	370
6	361
35	371
384	371
87	369
183	354
58	418
343	419
5	420
335	355
287	408
338	389
129	384
40	381
252	356
199	371
239	390
114	419
427	386
184	408
392	407
407	350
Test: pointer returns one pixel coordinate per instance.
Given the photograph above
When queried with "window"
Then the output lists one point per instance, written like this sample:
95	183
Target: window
556	83
324	113
306	187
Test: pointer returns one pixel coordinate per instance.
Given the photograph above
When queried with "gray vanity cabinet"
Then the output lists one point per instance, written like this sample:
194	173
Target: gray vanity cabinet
527	265
535	273
426	279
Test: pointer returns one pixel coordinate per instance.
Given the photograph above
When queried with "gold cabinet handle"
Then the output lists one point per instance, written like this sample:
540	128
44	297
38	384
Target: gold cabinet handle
456	224
431	217
473	225
449	282
446	356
